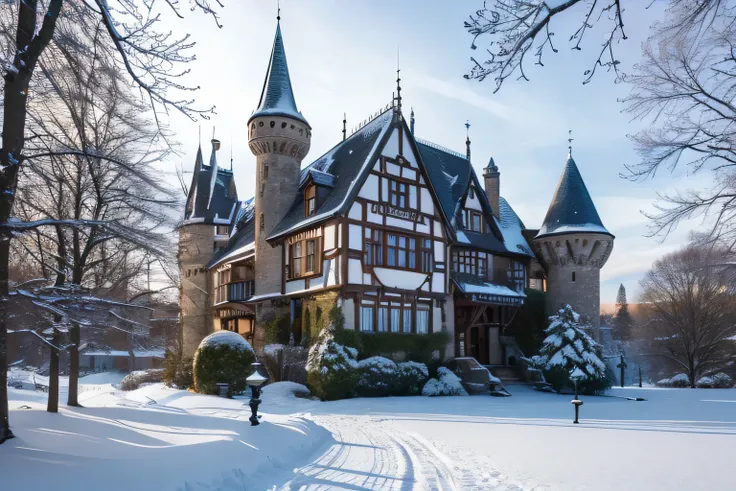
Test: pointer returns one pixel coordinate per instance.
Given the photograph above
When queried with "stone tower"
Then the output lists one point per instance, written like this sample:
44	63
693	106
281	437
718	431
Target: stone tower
573	245
279	136
209	208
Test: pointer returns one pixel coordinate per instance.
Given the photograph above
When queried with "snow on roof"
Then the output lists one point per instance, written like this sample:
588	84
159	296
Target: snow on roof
490	289
511	226
229	338
157	353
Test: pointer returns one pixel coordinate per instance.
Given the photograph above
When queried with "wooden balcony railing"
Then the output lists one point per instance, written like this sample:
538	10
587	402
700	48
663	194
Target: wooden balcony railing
235	292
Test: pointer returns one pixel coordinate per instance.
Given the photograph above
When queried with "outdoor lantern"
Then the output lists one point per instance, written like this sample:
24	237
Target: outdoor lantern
576	376
255	381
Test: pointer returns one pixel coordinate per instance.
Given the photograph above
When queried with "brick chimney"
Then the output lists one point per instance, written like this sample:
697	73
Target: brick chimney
493	185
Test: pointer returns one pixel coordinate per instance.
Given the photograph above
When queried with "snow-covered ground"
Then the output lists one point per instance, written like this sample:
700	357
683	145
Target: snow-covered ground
679	439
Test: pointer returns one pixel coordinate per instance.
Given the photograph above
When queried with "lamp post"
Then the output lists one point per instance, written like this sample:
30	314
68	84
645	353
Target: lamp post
255	381
576	376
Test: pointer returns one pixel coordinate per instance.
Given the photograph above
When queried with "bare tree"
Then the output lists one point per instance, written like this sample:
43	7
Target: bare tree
692	308
150	58
514	30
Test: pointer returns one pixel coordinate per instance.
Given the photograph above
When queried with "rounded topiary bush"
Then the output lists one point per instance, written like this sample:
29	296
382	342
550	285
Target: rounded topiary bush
412	377
722	381
222	357
136	379
379	377
446	384
681	380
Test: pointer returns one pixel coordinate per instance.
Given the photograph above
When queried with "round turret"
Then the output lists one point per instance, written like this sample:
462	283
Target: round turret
277	134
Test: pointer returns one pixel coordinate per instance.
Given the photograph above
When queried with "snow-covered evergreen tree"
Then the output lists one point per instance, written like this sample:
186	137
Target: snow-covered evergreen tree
332	369
567	347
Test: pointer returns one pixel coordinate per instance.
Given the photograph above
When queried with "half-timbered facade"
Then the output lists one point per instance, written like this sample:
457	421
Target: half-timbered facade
400	232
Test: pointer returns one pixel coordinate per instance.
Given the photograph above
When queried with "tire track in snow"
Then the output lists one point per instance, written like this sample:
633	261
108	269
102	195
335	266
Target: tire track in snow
374	454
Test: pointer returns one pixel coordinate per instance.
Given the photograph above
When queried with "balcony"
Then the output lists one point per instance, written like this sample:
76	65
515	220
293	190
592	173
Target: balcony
235	292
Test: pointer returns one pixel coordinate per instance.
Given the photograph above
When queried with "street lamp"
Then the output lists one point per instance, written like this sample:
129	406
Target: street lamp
255	381
576	376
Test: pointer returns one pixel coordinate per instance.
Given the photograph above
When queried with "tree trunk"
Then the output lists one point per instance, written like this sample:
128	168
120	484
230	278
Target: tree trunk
75	338
15	96
5	432
53	403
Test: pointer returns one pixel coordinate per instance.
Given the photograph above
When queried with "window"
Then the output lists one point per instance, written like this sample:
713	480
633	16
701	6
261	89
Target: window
310	256
427	265
296	260
471	262
393	315
471	192
473	221
305	258
422	319
398	194
573	276
221	230
373	253
517	276
310	200
366	318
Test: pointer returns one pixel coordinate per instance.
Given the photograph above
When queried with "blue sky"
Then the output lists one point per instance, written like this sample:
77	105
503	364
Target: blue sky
342	58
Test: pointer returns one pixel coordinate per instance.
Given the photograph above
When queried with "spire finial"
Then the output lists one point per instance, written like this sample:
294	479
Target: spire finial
411	121
344	126
278	12
398	79
569	143
231	152
200	135
467	140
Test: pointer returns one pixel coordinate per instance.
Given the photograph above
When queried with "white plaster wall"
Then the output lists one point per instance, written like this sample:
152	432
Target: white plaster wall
438	282
384	190
370	188
391	149
408	153
437	229
394	278
356	211
423	227
393	169
294	286
355	234
407	173
374	217
427	204
397	222
329	238
355	272
439	251
473	204
348	311
413	197
331	268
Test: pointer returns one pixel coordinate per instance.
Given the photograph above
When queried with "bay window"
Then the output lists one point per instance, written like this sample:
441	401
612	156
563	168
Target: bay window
305	258
471	262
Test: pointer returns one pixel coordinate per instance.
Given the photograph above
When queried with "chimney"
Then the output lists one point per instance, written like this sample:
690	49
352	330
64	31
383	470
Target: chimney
493	185
216	144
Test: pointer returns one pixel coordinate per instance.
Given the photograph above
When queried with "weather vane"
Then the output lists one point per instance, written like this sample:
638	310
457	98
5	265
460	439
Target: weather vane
467	128
278	7
569	141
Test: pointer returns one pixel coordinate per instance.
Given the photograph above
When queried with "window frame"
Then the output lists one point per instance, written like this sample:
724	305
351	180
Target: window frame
299	258
394	315
310	200
398	193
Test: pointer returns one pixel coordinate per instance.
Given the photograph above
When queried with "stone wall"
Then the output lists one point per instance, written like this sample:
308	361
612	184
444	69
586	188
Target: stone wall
195	250
583	294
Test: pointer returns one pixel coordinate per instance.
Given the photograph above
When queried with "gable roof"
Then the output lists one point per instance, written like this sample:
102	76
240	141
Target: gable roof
512	229
277	96
242	240
209	200
572	209
349	162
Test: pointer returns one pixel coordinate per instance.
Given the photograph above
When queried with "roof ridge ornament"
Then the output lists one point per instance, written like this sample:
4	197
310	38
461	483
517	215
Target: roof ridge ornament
467	140
569	143
278	11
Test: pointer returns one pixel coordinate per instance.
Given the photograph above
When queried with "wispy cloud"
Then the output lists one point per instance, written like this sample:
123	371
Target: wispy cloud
459	92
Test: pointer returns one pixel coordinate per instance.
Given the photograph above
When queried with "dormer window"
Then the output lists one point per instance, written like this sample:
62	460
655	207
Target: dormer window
473	221
310	200
471	194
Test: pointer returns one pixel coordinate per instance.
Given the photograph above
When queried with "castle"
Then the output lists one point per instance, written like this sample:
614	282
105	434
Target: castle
396	231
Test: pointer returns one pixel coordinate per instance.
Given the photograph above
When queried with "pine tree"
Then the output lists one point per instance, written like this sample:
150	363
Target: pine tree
623	324
566	348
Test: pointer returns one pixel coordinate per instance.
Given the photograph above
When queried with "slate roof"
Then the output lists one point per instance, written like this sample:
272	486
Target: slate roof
471	284
512	229
242	240
210	200
277	96
572	209
349	162
451	174
321	178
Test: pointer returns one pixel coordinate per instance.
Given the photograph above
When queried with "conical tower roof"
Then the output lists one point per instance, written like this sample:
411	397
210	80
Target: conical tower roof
277	96
572	209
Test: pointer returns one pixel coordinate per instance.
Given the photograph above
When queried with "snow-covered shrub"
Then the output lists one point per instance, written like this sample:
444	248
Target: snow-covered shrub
412	377
222	357
722	381
704	383
270	360
566	348
680	380
285	362
178	370
134	380
447	384
332	369
379	377
665	382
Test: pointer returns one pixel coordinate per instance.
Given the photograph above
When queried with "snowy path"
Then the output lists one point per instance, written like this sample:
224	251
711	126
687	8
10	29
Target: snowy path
371	453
